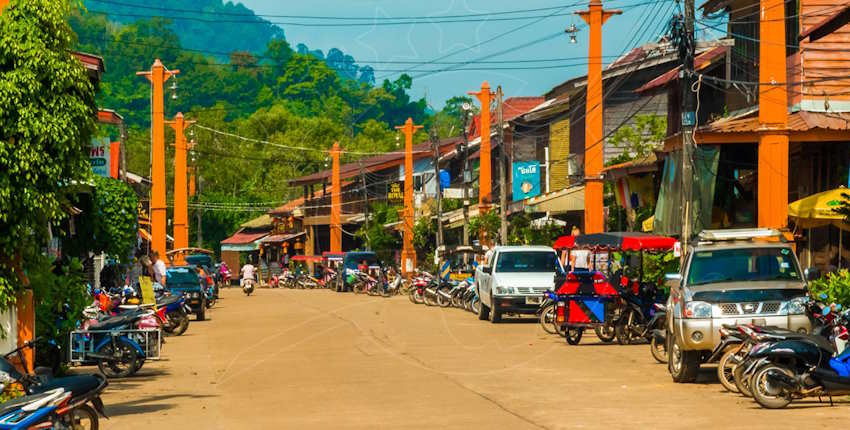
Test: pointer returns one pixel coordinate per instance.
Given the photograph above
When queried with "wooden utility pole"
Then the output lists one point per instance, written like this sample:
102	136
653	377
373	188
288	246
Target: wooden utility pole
485	177
773	117
180	227
408	254
336	202
365	201
157	76
465	156
688	123
503	175
436	144
594	216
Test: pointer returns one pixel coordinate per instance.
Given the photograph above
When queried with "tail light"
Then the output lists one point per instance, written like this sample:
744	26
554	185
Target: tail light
598	278
560	317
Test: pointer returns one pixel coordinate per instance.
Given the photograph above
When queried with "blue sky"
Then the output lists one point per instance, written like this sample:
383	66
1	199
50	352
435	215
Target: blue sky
642	21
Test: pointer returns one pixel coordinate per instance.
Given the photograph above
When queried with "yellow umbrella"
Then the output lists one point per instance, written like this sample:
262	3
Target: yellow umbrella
818	210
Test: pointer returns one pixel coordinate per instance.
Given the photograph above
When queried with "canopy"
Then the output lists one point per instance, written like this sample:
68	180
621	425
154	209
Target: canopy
332	256
565	242
627	241
818	210
461	249
313	258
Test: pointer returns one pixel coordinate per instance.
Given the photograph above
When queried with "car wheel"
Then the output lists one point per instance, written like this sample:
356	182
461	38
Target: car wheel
684	365
483	310
495	315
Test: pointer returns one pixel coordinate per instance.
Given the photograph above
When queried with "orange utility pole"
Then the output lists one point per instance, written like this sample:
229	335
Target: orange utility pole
408	254
773	117
485	175
181	198
157	76
336	202
3	4
594	216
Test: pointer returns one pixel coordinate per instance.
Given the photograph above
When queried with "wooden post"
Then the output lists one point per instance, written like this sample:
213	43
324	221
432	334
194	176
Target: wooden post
408	254
773	117
485	179
158	76
594	216
336	202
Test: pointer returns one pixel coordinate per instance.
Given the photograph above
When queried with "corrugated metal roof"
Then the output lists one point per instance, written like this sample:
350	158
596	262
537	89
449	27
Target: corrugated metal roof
241	237
262	221
701	62
797	121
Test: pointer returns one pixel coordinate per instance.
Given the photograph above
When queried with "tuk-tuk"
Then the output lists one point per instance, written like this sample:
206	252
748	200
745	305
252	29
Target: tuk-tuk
601	294
457	263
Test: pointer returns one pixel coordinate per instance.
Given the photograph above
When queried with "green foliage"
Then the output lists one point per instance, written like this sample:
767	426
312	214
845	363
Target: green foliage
114	216
521	232
450	121
836	286
46	121
640	139
378	238
656	265
487	224
61	295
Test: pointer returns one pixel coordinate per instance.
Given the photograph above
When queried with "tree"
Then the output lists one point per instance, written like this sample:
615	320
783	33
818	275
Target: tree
46	122
640	139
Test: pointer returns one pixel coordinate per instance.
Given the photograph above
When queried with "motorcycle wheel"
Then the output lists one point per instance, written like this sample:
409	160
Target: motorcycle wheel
83	417
741	381
574	335
359	288
547	319
475	306
658	350
210	302
606	333
726	370
178	321
428	299
442	300
411	293
121	367
418	297
765	394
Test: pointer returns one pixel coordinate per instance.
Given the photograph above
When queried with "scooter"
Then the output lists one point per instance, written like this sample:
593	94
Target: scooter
35	411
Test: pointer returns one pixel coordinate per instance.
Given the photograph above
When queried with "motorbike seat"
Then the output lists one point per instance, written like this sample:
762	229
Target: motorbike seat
167	300
111	322
77	385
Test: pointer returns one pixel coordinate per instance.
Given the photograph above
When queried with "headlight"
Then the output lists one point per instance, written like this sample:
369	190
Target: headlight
795	307
504	290
698	310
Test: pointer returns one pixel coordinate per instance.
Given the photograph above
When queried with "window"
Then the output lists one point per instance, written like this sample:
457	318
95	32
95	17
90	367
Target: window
527	261
743	265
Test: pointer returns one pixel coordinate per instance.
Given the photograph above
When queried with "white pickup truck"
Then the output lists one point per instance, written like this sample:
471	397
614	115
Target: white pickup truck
513	280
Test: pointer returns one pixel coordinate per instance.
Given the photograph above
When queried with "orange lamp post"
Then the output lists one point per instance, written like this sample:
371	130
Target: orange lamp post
336	202
773	118
157	76
485	181
181	198
594	218
408	254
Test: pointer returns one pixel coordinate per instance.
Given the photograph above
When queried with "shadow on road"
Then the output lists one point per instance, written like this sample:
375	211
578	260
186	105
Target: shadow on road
148	405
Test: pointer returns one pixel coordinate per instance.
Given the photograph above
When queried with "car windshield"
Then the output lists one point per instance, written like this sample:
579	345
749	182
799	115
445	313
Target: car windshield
527	261
181	275
739	296
743	265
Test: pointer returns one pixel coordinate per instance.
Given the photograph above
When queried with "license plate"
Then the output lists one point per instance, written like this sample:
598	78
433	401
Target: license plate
533	300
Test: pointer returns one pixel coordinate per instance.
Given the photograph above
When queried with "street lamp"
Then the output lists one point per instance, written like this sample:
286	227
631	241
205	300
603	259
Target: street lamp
572	30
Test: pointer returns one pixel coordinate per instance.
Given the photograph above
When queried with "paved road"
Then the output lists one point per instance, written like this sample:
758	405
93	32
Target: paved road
318	359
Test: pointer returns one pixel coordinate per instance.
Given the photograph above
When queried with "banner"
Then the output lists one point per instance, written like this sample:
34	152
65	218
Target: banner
526	179
99	156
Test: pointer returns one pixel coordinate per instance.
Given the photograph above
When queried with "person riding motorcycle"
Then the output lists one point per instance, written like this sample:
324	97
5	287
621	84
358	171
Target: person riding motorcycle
247	274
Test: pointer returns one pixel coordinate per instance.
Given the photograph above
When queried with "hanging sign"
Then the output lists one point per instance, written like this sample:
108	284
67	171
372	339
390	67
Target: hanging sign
99	157
526	179
395	193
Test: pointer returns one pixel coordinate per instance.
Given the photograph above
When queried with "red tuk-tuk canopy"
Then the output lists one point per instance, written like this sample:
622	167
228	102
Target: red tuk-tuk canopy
626	241
327	255
313	258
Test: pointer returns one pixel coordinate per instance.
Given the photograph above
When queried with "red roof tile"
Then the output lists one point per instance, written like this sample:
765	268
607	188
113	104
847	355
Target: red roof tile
797	121
242	237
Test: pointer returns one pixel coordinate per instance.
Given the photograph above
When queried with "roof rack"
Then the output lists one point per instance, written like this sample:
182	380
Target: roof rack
740	234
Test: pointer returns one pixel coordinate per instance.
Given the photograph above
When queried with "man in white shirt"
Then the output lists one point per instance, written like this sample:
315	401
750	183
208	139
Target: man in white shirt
158	269
247	273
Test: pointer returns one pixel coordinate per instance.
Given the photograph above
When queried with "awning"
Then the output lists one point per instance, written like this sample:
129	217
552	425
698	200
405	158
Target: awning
243	241
280	238
566	200
641	165
818	210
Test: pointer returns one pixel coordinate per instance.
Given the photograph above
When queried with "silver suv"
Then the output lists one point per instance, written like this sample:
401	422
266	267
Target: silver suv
731	277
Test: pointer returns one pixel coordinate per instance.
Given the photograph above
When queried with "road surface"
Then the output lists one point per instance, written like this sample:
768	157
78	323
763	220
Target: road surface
318	359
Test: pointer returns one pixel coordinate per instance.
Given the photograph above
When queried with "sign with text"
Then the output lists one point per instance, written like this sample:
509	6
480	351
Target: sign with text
99	156
526	179
395	193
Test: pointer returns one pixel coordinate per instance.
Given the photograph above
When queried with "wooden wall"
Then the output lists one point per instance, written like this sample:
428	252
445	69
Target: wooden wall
826	58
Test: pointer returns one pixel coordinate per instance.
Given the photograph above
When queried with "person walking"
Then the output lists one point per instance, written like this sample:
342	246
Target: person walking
158	268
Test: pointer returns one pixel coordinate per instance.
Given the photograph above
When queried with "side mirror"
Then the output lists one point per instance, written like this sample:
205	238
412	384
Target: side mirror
812	274
672	279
